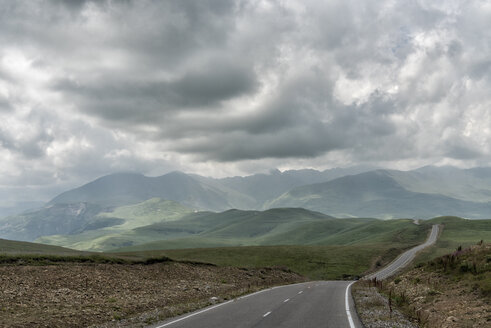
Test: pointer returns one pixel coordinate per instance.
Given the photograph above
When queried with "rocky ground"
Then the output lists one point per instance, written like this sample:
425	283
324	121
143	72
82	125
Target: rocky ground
373	309
453	291
439	302
104	295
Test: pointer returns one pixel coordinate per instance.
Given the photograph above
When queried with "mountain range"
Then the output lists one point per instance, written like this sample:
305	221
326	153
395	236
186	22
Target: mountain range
116	204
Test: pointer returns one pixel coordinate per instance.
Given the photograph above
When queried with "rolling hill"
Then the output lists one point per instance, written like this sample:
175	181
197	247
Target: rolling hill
284	226
11	247
102	208
232	227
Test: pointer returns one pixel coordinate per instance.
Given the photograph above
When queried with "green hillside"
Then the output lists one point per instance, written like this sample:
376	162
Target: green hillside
315	262
280	227
99	237
456	232
232	227
19	247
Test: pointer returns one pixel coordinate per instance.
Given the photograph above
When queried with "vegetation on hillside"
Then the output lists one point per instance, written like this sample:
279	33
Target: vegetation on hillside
452	290
456	232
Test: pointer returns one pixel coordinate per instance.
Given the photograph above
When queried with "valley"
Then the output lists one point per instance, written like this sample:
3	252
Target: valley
262	230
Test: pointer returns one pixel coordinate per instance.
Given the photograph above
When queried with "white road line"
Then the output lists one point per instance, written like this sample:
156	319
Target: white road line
348	312
193	314
221	304
266	314
300	292
286	300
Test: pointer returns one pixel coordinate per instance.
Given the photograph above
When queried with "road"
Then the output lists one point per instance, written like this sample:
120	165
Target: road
405	258
311	304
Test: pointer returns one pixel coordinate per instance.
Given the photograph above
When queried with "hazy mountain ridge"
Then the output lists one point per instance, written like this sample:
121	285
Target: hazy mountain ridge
52	219
354	192
379	194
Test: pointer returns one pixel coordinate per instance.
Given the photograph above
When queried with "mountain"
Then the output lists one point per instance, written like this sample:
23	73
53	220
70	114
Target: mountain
96	209
130	188
85	219
124	189
52	219
379	194
262	187
19	207
465	184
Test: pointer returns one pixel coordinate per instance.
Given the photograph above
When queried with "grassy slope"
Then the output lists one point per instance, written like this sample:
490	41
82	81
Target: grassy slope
350	251
286	227
19	247
232	227
315	262
133	216
456	232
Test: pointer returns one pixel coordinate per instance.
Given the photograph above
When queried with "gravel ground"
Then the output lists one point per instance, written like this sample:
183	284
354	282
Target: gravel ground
373	309
81	295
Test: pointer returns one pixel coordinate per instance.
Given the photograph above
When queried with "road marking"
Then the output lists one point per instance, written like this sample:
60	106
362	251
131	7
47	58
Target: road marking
221	304
193	314
348	312
300	292
286	300
266	314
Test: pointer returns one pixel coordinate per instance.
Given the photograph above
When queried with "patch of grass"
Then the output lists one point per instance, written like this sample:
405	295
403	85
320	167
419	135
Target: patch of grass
470	266
456	232
45	259
19	247
314	262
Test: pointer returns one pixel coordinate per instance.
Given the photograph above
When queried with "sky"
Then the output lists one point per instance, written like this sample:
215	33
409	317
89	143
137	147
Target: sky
225	87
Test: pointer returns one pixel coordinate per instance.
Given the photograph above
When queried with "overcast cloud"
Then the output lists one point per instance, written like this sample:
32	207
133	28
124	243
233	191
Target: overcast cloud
234	87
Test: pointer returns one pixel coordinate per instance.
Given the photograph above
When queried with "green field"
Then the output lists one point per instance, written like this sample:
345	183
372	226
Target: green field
456	232
310	243
330	251
20	247
314	262
279	227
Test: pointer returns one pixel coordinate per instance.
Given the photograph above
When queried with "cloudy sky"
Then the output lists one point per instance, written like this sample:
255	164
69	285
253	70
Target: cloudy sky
236	87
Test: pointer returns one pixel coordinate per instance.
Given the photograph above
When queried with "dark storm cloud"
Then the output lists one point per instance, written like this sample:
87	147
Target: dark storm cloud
137	101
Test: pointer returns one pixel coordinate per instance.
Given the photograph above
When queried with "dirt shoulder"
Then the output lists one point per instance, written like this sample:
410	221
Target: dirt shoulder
452	291
81	295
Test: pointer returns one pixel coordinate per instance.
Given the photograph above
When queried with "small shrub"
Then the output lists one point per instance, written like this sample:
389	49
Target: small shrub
433	292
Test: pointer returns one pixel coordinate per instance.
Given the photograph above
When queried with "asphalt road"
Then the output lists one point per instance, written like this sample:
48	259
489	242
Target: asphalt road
311	304
405	258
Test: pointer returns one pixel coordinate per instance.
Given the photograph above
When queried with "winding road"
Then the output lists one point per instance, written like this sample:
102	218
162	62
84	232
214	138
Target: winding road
406	257
310	304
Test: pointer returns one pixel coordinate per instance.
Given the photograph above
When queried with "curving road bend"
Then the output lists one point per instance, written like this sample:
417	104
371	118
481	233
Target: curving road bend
406	257
311	304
